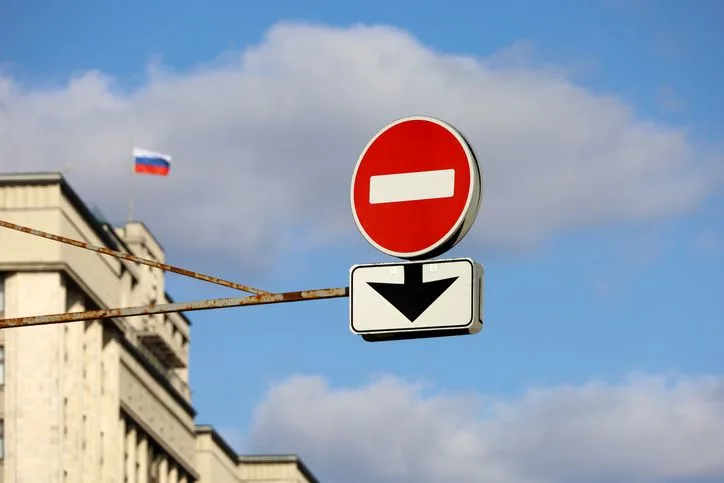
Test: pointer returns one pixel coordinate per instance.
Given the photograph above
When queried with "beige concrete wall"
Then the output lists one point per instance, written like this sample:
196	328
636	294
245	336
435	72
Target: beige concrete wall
44	208
61	392
34	422
136	233
150	404
112	452
150	288
100	273
34	206
212	463
151	285
271	473
83	406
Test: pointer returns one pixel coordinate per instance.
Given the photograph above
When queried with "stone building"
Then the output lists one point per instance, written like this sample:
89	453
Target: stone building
104	400
214	457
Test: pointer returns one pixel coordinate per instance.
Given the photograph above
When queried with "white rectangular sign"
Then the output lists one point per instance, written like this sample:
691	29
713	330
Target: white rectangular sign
416	299
422	185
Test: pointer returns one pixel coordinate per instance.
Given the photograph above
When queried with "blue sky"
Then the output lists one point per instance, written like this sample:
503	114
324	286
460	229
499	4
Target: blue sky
623	274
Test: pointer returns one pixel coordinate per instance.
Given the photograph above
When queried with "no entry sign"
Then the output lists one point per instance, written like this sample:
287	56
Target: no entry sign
416	188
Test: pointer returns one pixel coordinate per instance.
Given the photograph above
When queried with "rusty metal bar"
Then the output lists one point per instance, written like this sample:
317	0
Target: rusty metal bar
133	258
262	299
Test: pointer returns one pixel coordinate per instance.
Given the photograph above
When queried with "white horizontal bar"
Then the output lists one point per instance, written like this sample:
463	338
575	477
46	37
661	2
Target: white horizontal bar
423	185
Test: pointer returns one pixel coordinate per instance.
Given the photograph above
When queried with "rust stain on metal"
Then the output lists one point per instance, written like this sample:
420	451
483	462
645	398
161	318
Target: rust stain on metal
133	258
260	299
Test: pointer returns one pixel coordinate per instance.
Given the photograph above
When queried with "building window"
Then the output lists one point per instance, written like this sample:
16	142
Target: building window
2	365
2	439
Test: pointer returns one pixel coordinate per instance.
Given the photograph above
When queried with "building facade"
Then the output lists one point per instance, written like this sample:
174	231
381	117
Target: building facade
105	400
219	464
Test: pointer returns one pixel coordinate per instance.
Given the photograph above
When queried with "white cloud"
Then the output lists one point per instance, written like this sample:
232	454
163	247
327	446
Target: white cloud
646	429
265	141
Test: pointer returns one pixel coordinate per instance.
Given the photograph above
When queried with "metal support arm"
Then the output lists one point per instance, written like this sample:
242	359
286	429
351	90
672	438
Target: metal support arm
261	298
132	258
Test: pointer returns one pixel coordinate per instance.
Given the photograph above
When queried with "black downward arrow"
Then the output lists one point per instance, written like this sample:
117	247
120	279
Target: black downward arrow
412	297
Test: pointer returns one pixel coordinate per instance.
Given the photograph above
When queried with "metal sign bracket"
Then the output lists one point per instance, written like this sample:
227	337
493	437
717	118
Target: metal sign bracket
259	297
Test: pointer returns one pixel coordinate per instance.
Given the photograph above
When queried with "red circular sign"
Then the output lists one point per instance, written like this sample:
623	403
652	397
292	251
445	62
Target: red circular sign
416	188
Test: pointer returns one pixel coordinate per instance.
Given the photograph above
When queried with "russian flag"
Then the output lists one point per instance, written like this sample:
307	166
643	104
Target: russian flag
149	162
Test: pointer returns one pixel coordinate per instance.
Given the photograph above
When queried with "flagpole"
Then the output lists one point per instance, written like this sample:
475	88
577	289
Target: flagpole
130	188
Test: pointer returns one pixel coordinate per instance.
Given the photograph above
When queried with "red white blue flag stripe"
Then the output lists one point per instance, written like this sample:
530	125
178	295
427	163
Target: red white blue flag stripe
150	162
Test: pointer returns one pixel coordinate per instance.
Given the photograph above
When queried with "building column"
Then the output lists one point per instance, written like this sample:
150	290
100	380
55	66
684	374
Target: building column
142	461
173	474
131	451
163	470
122	447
